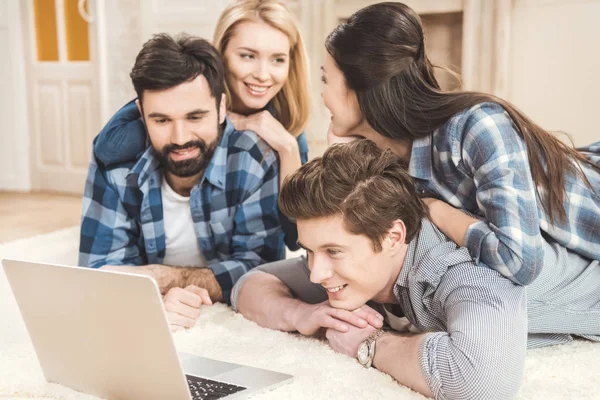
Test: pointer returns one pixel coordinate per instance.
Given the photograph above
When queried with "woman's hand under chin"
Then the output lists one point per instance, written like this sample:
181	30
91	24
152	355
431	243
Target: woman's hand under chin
267	128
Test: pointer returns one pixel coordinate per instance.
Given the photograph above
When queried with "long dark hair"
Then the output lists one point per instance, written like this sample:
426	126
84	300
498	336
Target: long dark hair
381	52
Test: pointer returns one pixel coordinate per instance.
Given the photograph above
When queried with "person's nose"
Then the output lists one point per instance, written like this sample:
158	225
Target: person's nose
261	73
320	269
179	135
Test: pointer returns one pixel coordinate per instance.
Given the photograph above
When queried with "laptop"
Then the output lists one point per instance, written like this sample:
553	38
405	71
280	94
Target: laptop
106	334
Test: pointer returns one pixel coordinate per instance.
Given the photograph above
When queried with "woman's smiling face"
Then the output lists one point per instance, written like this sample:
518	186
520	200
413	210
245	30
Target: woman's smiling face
257	58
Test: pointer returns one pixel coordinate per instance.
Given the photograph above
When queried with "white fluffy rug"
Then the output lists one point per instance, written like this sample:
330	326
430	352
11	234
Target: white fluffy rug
562	372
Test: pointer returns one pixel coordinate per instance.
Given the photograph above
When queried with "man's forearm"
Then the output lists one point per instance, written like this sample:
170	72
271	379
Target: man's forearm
398	356
266	300
169	277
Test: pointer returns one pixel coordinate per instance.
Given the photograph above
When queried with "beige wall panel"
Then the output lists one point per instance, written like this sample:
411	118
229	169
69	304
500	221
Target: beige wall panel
555	64
204	31
7	137
443	33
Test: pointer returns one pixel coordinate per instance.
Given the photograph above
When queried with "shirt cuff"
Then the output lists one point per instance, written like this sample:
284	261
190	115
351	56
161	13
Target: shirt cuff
474	238
427	352
235	292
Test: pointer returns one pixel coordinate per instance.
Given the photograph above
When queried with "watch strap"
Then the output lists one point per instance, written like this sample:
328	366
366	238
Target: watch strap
370	342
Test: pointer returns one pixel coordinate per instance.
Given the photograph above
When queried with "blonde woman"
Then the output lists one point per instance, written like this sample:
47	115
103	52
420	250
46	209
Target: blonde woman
267	90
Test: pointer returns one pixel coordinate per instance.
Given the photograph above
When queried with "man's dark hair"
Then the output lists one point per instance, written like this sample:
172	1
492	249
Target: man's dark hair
165	62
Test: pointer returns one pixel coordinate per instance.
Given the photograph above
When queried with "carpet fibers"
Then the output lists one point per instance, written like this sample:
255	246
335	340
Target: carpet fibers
561	372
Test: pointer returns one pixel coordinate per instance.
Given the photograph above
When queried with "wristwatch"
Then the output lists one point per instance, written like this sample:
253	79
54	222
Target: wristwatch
366	349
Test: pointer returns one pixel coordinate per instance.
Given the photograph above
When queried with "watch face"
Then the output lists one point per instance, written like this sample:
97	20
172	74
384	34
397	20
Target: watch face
363	353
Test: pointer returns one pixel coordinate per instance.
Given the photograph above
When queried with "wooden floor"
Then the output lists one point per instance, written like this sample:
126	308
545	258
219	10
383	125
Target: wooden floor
28	214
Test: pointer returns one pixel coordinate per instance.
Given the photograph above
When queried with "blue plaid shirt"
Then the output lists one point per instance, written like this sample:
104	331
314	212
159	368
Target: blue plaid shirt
481	165
124	138
234	208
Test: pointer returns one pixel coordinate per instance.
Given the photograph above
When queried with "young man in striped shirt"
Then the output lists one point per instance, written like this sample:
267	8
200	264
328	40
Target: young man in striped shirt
455	329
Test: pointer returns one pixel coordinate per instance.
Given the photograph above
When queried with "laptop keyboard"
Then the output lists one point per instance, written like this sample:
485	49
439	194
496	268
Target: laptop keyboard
206	389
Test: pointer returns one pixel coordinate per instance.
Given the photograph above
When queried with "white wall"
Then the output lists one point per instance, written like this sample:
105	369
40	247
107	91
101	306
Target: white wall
553	71
14	130
124	25
120	38
555	65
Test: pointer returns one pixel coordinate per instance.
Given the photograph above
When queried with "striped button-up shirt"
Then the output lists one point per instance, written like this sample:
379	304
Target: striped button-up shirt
478	162
481	323
478	323
234	208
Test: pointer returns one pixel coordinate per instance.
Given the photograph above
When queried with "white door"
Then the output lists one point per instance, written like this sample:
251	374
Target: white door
63	93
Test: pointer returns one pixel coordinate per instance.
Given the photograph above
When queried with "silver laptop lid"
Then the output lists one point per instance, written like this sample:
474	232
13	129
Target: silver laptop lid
98	332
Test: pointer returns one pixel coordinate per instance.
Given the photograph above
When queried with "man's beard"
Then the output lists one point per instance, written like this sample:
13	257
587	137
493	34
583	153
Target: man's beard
191	166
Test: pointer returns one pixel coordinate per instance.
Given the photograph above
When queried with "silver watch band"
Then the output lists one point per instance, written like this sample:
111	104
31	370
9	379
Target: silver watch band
370	341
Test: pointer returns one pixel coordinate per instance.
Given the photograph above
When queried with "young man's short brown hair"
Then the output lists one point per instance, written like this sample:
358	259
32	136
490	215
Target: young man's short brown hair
368	187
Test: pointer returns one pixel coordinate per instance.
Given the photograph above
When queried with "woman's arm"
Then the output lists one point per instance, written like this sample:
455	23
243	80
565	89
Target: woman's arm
123	138
492	152
453	222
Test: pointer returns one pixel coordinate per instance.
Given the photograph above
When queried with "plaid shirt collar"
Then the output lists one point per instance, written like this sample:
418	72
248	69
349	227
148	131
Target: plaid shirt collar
215	173
420	165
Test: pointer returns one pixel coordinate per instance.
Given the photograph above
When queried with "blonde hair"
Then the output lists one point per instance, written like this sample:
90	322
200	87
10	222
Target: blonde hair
291	104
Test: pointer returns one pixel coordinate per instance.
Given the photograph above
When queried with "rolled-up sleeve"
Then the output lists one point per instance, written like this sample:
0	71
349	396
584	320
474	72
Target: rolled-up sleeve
482	353
494	154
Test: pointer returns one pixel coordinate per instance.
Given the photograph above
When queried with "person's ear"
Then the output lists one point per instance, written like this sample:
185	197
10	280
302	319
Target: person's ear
223	108
396	237
141	110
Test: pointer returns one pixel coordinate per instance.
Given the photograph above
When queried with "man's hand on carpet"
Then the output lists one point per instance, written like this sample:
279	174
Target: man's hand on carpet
183	306
309	319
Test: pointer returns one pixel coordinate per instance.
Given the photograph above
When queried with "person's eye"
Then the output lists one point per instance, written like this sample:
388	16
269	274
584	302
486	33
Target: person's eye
161	121
323	79
195	118
280	60
247	56
333	252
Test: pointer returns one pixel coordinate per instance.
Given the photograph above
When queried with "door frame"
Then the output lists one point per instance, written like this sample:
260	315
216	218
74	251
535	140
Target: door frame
54	179
17	133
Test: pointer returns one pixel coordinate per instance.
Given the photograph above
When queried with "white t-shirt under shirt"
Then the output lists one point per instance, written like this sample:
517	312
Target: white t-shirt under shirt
182	244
